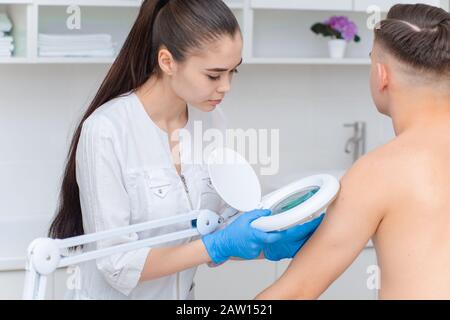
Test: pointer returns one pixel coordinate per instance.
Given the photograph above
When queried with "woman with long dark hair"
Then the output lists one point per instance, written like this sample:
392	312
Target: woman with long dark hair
127	162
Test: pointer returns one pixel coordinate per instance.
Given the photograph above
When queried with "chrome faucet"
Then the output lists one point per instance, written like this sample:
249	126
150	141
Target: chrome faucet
358	141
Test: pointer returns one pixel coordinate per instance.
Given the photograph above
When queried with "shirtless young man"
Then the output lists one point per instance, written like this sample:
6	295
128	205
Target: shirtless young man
398	195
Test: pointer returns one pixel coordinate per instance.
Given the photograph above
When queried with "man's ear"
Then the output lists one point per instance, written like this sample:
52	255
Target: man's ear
382	75
166	61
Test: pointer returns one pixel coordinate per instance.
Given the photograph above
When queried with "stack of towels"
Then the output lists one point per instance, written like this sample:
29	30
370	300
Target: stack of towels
6	41
62	45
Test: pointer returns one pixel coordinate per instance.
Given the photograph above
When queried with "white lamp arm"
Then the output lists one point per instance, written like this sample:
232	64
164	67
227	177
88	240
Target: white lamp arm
45	255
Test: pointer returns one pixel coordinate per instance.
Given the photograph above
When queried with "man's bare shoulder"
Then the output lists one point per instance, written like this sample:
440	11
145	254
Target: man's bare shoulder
402	158
388	173
375	166
373	180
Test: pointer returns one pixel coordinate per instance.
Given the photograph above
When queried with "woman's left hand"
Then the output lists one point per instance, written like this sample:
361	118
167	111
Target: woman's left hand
292	241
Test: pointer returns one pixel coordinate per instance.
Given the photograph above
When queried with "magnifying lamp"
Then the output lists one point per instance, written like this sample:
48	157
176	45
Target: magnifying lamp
236	183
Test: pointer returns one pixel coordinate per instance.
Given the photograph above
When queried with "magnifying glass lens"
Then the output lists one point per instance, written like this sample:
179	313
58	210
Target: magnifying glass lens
294	200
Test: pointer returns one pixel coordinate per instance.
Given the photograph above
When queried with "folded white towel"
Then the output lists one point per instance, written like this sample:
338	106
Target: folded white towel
6	39
4	47
5	23
74	47
80	53
5	51
65	44
6	54
59	39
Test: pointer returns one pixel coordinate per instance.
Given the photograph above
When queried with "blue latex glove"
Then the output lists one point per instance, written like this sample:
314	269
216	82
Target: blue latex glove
292	241
239	239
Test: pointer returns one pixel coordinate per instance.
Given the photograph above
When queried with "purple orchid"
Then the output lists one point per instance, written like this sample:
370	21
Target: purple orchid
344	26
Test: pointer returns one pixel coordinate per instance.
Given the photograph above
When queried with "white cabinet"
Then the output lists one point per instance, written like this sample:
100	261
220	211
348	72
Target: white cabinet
116	21
20	15
341	5
385	5
356	282
285	35
12	284
114	17
280	36
303	4
270	36
61	281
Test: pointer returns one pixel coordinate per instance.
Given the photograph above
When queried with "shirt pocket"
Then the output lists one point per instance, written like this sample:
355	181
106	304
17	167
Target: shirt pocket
154	194
159	187
163	193
165	197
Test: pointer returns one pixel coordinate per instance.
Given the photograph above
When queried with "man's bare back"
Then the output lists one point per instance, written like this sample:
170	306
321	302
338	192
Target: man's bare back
397	195
413	238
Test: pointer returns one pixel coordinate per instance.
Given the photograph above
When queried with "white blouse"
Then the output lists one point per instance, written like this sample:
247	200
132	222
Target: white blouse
126	175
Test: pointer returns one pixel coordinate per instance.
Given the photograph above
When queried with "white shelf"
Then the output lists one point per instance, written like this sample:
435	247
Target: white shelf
340	5
385	5
310	61
16	1
92	3
233	4
251	61
346	5
282	29
14	60
74	60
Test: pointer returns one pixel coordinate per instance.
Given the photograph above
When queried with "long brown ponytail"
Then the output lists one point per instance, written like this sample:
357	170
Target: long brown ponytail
178	25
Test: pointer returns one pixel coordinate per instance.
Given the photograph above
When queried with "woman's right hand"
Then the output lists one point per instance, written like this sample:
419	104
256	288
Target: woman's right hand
239	239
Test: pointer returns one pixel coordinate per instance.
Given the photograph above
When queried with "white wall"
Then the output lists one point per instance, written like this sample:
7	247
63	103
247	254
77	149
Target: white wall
39	106
309	104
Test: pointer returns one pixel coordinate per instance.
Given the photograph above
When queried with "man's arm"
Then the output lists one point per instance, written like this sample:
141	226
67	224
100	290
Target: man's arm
349	223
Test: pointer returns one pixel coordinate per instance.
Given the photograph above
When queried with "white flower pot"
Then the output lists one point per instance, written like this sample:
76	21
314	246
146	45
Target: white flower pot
337	48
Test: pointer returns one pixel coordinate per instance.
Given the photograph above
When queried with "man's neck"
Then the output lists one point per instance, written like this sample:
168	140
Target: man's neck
421	108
